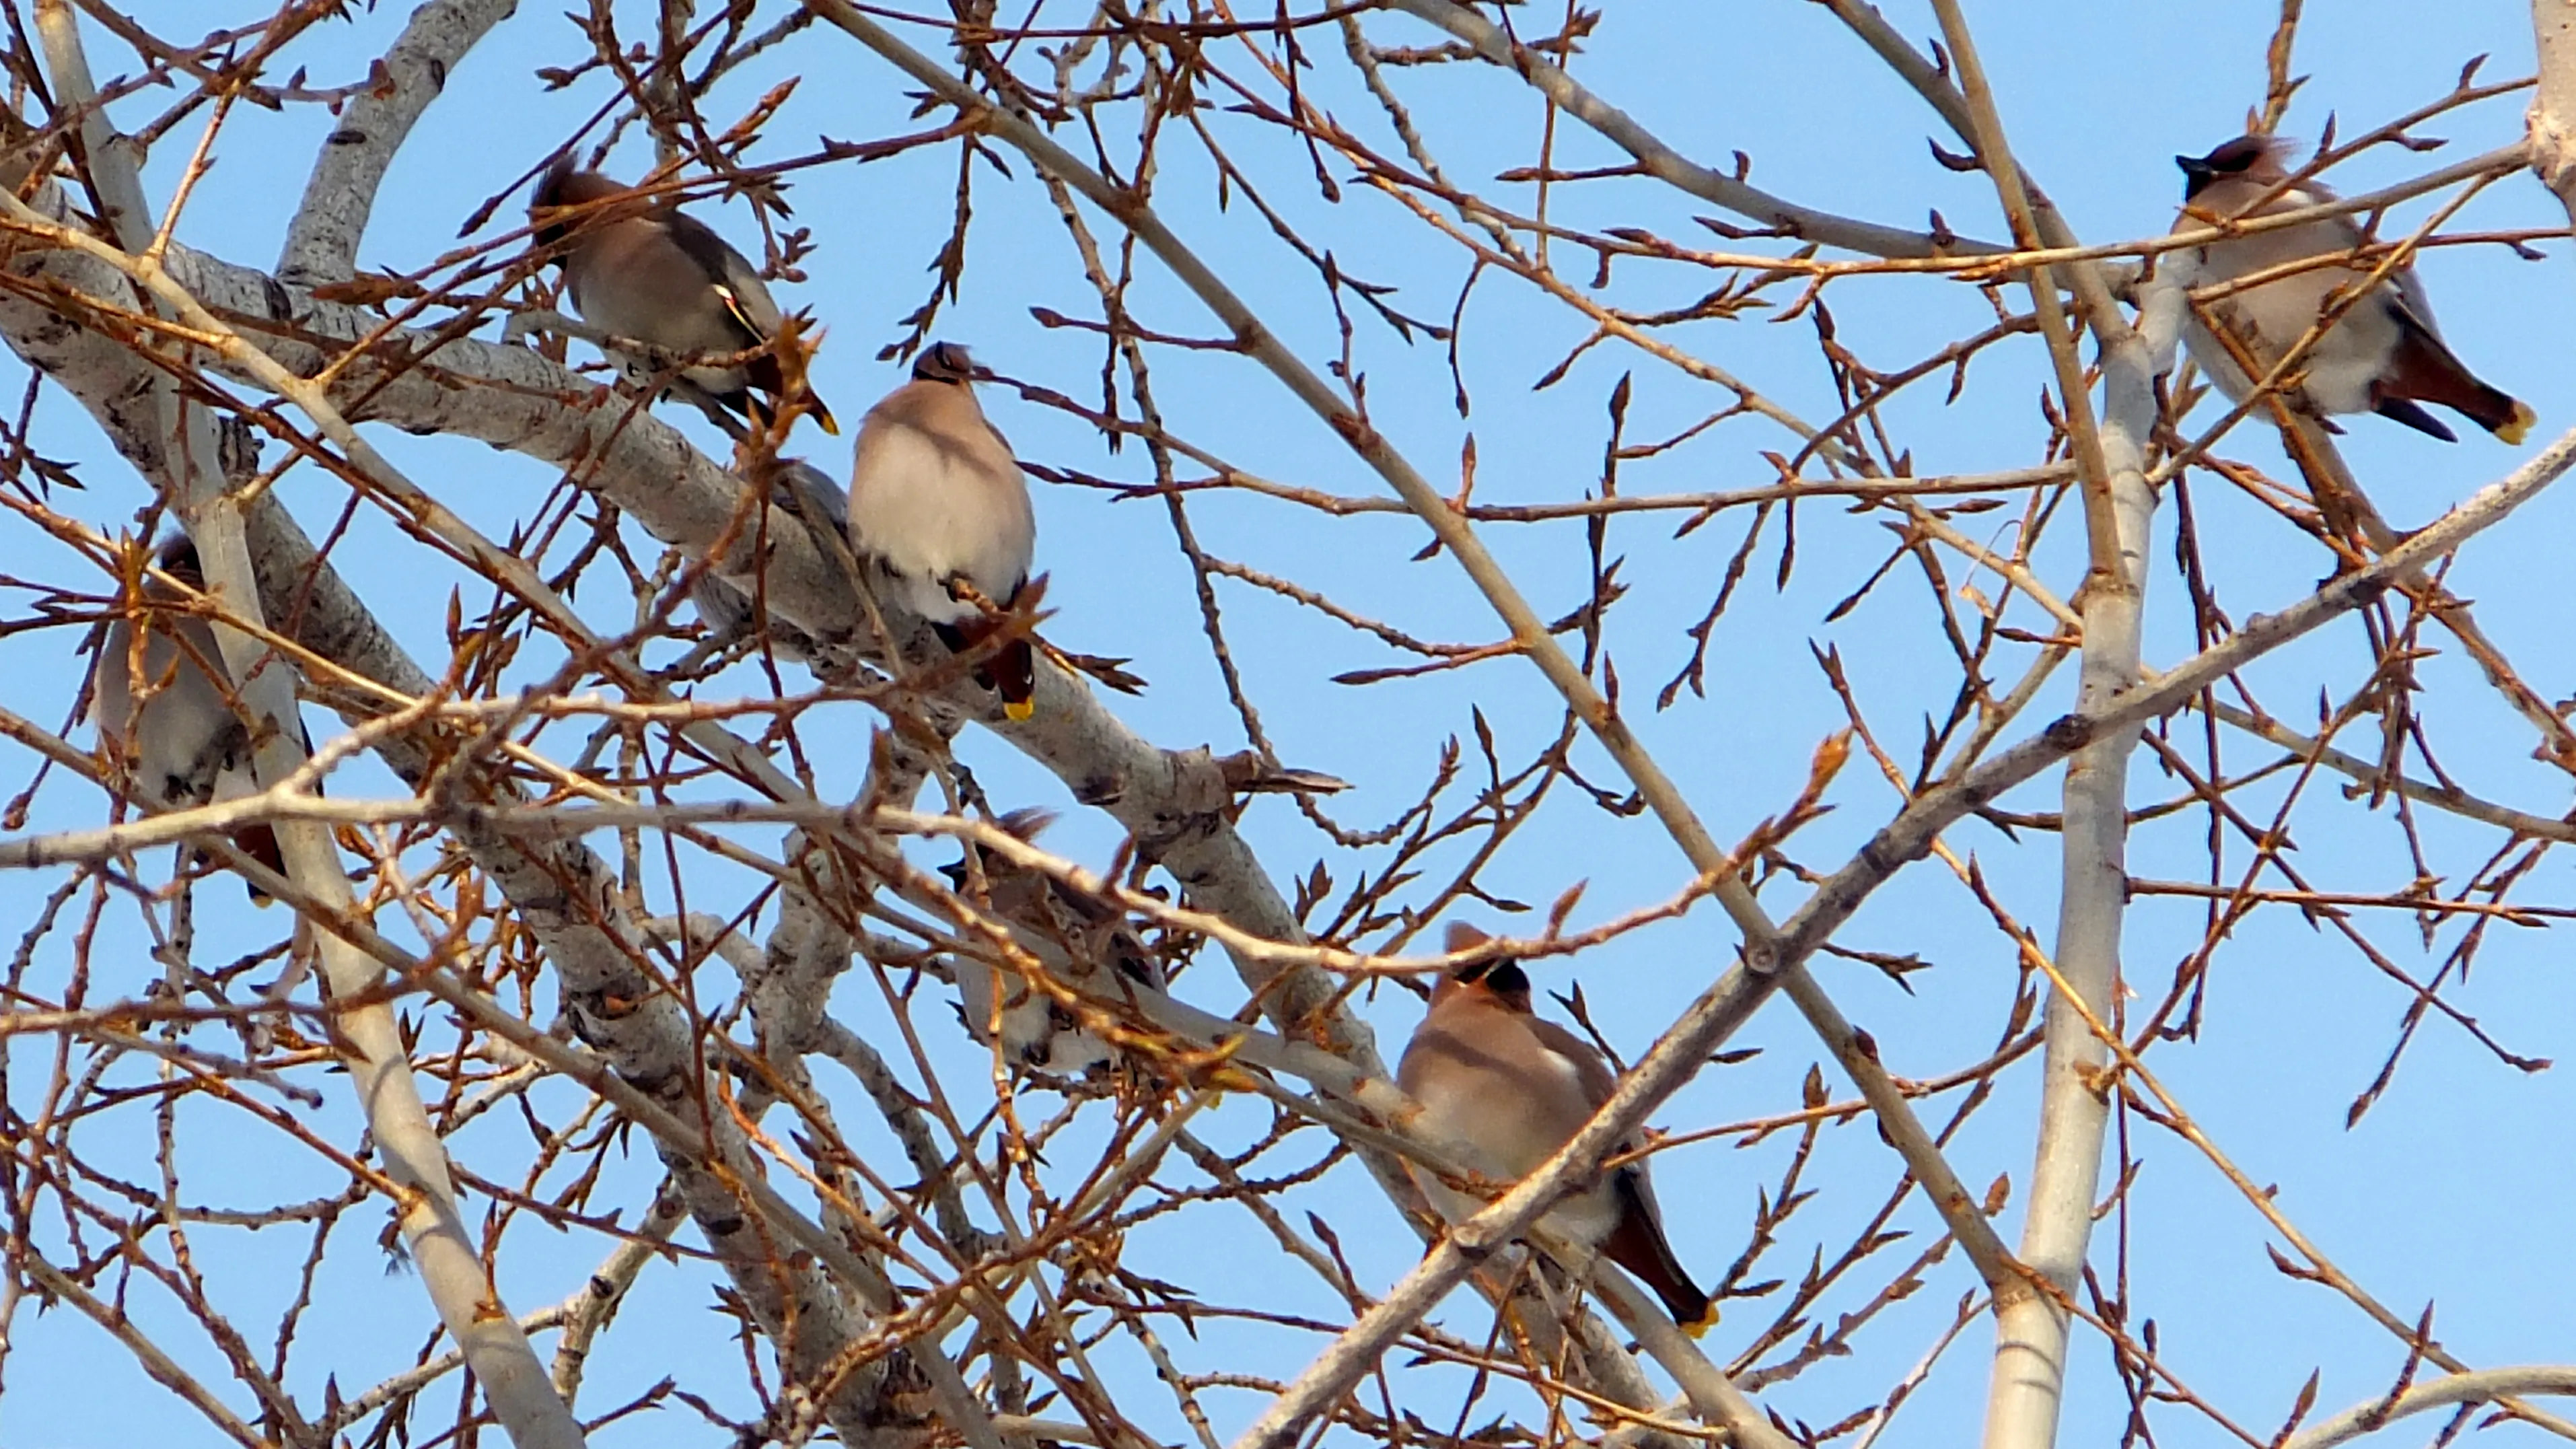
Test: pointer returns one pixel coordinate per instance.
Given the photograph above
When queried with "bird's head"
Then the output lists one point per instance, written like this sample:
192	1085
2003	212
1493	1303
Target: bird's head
560	189
1024	825
177	557
944	362
2258	157
1504	981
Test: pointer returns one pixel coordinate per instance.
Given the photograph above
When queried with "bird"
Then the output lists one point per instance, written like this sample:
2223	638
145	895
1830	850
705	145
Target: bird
727	607
1498	1079
166	717
1038	1033
651	272
936	497
2383	355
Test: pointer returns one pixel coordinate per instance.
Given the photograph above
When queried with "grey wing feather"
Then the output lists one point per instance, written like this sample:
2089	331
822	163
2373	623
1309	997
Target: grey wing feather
1589	1065
732	273
2413	308
2405	296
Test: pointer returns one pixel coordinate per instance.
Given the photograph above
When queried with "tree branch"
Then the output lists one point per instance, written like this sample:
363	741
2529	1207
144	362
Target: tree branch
2553	104
1662	161
322	241
2482	1387
451	1269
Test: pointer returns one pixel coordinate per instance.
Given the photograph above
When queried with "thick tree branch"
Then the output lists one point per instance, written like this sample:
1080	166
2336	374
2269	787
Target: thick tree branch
2553	104
322	241
433	1228
564	892
2119	509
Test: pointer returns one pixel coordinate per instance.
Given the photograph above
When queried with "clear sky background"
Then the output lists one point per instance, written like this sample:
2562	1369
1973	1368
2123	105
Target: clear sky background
2451	1191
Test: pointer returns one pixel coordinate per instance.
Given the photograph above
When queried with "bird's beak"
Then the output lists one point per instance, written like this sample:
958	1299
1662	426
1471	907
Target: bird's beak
2194	167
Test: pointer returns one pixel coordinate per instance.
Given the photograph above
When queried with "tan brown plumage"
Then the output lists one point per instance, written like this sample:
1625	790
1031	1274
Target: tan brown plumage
165	711
2383	354
936	498
1035	1031
651	272
1495	1077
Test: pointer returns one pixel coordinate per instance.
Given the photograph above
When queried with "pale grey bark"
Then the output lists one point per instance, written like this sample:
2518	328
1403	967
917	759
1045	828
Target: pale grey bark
2057	1222
2483	1387
192	480
1174	801
2553	104
2024	1397
322	241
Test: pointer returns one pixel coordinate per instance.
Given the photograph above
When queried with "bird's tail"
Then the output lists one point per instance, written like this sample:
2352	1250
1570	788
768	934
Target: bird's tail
1015	678
1010	673
1638	1245
259	842
764	376
2423	370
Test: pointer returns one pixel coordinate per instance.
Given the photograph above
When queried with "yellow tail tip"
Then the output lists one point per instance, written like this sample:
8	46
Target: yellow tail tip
1019	709
1707	1320
2519	426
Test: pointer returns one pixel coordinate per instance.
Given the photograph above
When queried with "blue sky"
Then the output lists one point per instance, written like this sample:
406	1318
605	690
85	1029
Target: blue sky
2445	1193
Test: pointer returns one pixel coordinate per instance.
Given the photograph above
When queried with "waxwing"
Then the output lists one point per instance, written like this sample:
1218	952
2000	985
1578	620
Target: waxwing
1038	1033
2383	355
166	718
936	497
648	271
1513	1088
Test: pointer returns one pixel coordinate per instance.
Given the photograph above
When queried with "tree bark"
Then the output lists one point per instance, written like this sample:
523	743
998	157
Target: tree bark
2553	103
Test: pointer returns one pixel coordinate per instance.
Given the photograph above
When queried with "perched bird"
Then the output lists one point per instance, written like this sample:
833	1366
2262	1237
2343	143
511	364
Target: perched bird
727	607
935	497
1037	1033
651	272
1495	1077
165	713
2383	355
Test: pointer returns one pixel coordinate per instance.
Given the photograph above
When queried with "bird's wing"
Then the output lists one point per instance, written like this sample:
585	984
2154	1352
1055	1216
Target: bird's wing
2404	295
732	275
1590	1067
2414	310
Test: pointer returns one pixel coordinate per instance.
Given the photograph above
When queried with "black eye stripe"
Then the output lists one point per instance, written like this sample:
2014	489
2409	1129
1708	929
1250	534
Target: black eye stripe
1501	977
